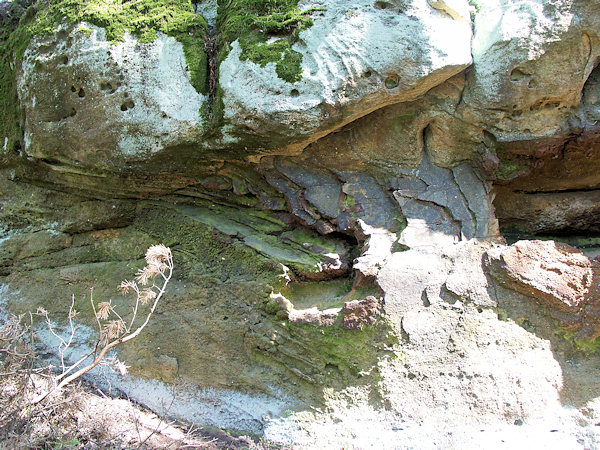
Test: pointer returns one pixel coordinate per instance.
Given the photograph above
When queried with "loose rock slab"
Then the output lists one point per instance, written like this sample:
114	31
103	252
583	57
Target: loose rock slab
557	275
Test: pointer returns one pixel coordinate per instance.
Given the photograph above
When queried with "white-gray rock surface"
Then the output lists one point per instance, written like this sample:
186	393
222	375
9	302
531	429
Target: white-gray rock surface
356	58
91	102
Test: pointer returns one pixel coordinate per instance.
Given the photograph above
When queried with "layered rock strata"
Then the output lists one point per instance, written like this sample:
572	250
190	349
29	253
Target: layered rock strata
334	181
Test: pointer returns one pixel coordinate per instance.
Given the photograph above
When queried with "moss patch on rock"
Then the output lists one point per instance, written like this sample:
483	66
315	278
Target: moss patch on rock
143	19
12	46
266	31
509	169
203	254
322	357
581	344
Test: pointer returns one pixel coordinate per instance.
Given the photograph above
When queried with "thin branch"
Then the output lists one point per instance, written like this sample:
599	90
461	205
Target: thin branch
116	313
95	312
137	302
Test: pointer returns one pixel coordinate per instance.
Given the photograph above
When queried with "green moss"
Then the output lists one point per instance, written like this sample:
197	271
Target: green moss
255	22
351	352
289	67
302	237
142	18
510	168
261	53
583	345
202	254
11	47
587	345
85	30
324	294
349	202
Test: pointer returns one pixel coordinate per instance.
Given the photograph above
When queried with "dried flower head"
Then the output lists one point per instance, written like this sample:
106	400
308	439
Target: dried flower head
147	295
103	310
113	329
121	367
157	253
143	276
158	259
114	363
127	286
150	272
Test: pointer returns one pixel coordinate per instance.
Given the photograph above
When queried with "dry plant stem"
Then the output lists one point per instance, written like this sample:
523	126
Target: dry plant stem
83	358
135	308
98	357
62	347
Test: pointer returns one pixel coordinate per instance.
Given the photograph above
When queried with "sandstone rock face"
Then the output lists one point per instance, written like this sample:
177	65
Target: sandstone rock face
542	121
340	270
104	106
134	100
517	47
356	58
556	275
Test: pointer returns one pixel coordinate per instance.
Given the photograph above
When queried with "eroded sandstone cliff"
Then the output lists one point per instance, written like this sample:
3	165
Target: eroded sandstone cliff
335	181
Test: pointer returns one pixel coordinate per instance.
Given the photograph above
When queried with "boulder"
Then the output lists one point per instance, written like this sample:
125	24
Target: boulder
558	276
355	58
104	105
531	60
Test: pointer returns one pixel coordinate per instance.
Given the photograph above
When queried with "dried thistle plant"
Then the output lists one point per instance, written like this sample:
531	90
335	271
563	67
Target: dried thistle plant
113	329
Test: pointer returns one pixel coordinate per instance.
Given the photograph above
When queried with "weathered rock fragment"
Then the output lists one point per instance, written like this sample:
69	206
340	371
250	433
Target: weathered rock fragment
558	276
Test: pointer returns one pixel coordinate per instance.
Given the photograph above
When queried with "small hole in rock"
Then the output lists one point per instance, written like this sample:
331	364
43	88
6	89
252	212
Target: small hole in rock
368	74
64	60
106	86
294	93
126	95
518	74
382	5
425	299
81	93
127	105
73	89
392	81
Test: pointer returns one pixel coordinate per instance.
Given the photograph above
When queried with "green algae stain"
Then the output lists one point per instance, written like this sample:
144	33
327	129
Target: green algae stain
345	356
201	253
509	169
586	346
266	31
